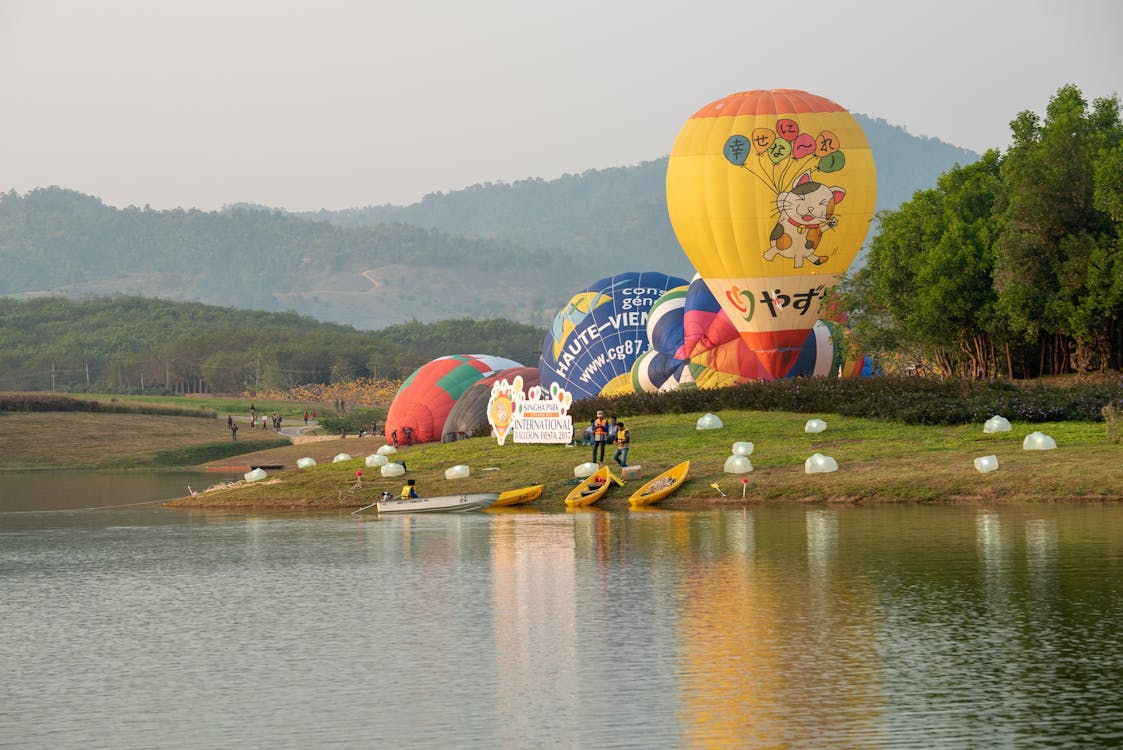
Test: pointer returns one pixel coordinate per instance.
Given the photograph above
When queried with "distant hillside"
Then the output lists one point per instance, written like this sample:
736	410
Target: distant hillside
501	250
619	215
58	242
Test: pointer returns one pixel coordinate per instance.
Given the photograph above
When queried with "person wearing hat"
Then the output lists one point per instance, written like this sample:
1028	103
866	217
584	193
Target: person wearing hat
600	436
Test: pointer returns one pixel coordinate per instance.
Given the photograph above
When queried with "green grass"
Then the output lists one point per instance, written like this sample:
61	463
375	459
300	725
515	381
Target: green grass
879	461
222	406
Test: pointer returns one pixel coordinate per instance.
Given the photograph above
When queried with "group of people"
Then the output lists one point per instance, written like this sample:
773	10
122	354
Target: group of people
273	418
605	430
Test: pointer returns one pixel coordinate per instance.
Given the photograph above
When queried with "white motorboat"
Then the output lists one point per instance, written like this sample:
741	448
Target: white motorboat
439	504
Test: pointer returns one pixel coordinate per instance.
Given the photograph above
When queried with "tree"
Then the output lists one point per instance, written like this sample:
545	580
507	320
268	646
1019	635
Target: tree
1057	256
926	287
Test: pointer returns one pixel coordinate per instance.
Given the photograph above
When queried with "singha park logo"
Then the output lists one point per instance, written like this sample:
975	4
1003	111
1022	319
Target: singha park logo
785	156
538	415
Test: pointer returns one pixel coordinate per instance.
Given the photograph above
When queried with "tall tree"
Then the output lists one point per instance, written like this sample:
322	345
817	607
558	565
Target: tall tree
1058	261
926	288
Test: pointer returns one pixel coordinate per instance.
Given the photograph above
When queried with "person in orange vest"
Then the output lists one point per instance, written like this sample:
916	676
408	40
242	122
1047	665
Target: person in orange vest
600	436
623	442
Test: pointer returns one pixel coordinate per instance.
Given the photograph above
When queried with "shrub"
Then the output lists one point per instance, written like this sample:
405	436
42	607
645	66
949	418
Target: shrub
1113	417
352	421
913	400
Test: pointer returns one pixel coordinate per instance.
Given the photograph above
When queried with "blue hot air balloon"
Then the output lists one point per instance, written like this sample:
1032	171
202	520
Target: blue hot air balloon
600	333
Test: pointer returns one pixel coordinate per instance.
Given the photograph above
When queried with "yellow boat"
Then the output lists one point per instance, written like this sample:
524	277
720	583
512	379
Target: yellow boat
592	489
661	486
518	497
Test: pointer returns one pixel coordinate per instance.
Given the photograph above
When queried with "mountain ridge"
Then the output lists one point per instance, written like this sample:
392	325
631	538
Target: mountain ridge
515	250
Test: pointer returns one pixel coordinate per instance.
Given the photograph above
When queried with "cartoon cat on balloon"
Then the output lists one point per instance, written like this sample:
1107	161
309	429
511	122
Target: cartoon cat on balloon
806	211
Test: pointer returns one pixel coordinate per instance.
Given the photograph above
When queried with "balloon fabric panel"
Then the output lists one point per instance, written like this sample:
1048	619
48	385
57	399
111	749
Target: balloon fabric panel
600	333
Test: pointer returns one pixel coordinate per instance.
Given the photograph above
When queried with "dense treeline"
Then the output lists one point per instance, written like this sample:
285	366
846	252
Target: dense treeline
1012	266
139	344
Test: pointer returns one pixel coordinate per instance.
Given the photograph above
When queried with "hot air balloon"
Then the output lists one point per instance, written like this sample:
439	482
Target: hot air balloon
771	194
424	400
595	339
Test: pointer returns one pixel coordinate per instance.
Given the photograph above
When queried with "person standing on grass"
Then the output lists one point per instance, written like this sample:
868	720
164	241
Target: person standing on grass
623	442
600	436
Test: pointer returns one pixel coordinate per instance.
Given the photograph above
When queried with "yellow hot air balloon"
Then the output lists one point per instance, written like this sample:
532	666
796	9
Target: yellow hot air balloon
771	194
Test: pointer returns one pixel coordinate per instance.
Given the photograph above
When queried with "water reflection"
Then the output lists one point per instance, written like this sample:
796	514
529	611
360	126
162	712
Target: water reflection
822	541
26	491
815	627
1041	550
534	572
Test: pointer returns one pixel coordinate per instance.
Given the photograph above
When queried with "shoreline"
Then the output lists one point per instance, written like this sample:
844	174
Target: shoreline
879	462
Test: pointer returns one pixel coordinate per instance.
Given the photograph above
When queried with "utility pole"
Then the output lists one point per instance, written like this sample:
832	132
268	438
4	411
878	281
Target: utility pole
52	377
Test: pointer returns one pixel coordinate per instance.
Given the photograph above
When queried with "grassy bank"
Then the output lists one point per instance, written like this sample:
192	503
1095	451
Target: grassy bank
90	440
879	461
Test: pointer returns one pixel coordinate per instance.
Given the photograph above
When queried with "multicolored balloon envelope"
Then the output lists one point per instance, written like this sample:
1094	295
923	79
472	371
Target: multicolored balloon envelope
771	194
424	400
693	344
596	338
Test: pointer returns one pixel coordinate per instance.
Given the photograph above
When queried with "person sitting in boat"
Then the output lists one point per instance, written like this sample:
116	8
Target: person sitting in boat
410	490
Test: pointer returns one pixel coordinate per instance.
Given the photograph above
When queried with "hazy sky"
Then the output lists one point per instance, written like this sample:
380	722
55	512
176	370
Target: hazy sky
328	104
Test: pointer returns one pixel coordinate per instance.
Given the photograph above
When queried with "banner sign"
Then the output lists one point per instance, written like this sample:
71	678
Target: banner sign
538	416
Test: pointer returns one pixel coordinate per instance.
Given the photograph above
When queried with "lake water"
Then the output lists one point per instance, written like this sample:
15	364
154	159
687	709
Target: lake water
787	626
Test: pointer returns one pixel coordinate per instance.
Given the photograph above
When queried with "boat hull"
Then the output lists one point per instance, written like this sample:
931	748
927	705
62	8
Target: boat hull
661	486
518	497
440	504
588	492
